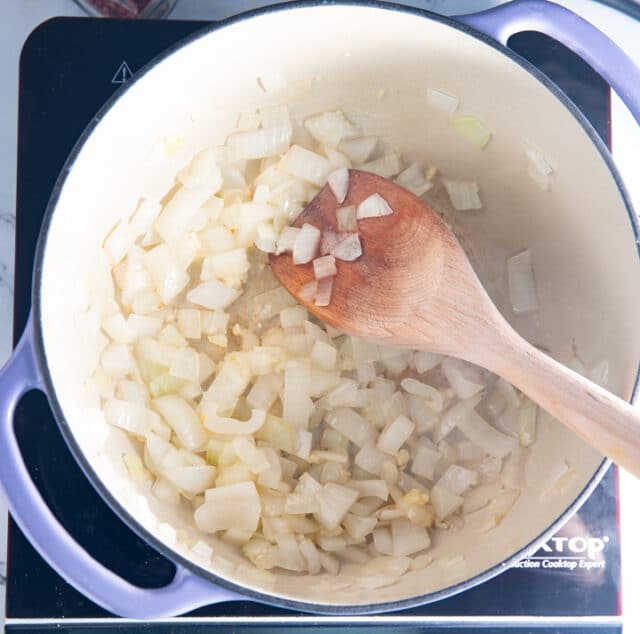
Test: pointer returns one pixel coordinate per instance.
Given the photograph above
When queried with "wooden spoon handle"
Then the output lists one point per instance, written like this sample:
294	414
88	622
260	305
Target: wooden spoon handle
607	422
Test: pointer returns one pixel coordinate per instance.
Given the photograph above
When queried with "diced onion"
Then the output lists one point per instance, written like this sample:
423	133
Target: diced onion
231	426
309	291
408	538
349	249
395	434
287	239
129	416
324	266
257	144
306	165
359	150
462	194
472	130
522	285
304	448
306	245
478	431
413	179
346	218
339	183
386	166
183	420
323	294
334	501
212	295
331	127
464	378
374	206
442	100
430	394
232	506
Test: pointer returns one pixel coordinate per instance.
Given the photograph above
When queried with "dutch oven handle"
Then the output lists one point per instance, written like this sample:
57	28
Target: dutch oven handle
584	39
185	592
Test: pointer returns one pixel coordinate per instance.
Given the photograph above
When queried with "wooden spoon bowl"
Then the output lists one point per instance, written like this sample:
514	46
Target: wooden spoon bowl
414	286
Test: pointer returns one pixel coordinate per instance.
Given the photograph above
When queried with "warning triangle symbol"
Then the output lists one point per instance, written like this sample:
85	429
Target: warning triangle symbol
122	74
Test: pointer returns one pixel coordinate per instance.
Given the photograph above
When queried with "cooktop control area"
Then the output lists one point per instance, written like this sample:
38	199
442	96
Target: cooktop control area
69	68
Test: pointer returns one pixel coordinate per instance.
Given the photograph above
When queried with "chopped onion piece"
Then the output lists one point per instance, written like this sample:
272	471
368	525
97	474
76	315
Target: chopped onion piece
453	416
329	240
425	460
296	400
498	508
457	479
339	183
232	506
539	168
331	127
346	218
166	272
334	501
413	179
165	492
324	266
374	206
442	100
287	239
395	434
464	378
444	501
463	194
472	130
191	478
231	426
349	249
479	432
180	211
370	459
324	355
430	394
183	420
266	238
255	459
306	165
306	245
351	425
408	538
212	295
522	285
309	291
129	416
371	488
359	150
323	294
425	361
337	159
255	144
386	166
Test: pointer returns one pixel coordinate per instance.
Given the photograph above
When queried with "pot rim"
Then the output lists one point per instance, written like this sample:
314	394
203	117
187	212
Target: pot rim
174	556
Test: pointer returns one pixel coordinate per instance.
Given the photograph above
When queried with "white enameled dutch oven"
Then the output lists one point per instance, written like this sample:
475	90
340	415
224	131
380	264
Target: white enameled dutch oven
583	232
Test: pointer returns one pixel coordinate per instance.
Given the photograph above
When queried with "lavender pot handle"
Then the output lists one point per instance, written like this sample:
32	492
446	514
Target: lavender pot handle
584	39
185	592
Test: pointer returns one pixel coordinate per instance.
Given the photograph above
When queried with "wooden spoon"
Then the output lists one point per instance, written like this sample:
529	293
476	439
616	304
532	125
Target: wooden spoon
414	286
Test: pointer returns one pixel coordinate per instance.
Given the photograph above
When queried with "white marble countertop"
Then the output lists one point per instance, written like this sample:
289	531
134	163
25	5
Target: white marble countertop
18	19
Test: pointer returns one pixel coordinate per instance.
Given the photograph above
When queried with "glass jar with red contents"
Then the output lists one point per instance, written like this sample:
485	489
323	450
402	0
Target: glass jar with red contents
127	8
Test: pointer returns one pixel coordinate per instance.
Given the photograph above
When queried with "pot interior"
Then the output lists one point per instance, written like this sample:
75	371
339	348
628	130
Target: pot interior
584	250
